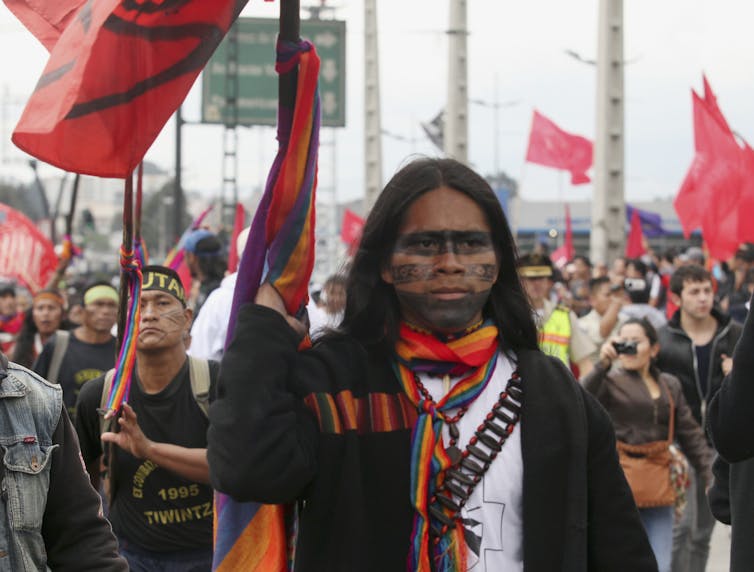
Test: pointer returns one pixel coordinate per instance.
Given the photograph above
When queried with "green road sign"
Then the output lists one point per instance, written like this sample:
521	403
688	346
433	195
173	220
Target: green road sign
258	81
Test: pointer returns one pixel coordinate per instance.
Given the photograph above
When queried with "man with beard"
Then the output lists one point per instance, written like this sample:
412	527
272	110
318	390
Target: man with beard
400	433
86	352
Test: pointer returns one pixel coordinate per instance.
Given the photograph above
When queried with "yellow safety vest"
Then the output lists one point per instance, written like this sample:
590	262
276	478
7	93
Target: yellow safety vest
555	335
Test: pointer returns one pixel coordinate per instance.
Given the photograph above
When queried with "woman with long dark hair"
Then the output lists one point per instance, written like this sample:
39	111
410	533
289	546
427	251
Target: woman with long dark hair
41	321
647	407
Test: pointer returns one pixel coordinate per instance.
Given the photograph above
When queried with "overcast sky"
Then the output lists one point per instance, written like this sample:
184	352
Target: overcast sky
516	49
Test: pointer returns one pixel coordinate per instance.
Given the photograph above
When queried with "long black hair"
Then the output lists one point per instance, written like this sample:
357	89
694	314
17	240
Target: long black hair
372	313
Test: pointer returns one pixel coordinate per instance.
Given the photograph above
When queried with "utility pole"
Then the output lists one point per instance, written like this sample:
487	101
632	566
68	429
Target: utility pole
372	120
229	198
608	207
457	112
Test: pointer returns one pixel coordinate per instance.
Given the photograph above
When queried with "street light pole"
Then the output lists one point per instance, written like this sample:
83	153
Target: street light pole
457	112
608	207
372	120
495	105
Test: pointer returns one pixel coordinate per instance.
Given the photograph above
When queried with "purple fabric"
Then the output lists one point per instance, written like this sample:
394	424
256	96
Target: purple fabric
651	223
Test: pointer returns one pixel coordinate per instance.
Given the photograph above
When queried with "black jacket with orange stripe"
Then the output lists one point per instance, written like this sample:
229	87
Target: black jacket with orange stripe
329	426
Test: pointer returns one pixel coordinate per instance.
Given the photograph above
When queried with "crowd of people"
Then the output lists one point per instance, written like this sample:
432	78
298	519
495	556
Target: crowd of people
436	351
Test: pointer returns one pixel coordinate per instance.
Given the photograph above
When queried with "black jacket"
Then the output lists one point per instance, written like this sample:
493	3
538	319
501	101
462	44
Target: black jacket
677	357
265	444
731	425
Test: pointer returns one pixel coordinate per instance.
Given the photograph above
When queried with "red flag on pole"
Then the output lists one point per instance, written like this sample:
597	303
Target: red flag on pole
635	243
710	194
561	256
26	255
117	73
238	224
746	201
351	229
710	101
550	146
46	20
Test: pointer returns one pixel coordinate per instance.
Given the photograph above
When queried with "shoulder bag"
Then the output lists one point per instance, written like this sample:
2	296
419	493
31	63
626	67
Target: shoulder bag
647	466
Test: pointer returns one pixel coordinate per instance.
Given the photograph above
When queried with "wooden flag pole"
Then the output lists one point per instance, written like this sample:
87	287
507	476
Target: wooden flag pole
137	214
126	246
290	29
69	217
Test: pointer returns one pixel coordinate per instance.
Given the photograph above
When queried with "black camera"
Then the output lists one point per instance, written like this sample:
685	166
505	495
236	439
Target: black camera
628	348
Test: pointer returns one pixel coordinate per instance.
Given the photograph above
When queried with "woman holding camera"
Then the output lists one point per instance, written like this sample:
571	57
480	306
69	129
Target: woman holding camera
649	412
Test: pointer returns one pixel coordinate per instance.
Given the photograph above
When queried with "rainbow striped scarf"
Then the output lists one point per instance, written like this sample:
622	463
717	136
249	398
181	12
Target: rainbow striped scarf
251	536
474	356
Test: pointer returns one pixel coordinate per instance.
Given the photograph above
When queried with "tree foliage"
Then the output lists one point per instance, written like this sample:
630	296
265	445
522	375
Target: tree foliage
157	218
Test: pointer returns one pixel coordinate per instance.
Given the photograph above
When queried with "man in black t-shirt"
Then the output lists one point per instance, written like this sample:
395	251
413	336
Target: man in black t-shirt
160	502
90	349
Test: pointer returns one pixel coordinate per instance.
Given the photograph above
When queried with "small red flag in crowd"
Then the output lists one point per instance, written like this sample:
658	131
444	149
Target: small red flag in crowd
635	244
114	77
351	229
550	146
26	255
561	256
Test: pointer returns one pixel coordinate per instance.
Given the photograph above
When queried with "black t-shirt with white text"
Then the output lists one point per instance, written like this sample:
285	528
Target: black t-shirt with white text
82	362
154	508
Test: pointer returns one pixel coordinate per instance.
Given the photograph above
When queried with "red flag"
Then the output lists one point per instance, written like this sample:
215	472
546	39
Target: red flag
561	256
635	243
45	19
351	229
185	275
238	224
710	101
117	73
746	200
711	192
549	145
26	255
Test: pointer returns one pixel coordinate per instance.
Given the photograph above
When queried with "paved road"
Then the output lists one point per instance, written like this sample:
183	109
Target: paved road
719	557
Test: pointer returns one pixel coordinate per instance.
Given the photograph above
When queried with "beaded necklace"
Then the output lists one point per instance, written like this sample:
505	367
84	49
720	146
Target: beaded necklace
470	465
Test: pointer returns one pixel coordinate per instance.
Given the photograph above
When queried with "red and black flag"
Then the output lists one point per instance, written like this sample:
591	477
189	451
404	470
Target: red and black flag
118	71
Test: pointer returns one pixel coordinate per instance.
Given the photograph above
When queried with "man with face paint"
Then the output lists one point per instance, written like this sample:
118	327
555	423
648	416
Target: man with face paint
160	501
429	432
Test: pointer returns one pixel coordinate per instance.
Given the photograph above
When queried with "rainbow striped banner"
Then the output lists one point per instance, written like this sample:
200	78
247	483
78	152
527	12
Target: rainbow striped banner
250	536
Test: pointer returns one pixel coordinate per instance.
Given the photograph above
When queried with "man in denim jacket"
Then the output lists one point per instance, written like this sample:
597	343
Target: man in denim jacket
50	516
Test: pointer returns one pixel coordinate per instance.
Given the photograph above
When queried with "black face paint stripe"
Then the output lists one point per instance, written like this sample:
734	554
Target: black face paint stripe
485	272
408	273
433	243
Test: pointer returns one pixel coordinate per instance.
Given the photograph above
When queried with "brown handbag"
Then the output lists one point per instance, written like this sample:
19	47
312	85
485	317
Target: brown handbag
647	466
